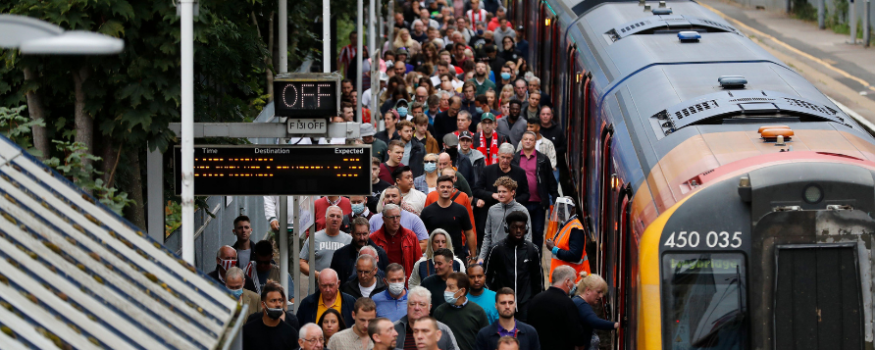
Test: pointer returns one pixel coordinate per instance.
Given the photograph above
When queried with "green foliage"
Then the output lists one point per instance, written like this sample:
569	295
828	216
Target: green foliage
172	217
17	128
803	10
83	175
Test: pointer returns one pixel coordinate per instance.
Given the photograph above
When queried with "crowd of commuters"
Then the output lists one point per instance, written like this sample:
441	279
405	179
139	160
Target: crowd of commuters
445	253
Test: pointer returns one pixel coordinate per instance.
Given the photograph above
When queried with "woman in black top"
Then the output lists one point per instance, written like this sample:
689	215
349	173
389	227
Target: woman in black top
509	53
590	289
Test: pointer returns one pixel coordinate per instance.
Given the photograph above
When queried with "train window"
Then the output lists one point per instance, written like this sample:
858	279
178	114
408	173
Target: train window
705	301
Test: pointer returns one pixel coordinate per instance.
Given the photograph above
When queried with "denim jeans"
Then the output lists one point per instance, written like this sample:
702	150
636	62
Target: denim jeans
536	213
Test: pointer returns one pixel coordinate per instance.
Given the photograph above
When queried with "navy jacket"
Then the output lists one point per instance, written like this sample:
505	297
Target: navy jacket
310	305
487	338
344	258
588	319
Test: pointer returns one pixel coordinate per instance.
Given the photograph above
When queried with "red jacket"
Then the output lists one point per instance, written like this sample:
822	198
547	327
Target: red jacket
410	250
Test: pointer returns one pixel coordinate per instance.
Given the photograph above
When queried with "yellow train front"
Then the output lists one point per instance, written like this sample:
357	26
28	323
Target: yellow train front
729	200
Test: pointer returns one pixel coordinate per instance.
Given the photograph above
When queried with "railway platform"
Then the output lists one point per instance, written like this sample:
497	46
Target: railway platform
843	71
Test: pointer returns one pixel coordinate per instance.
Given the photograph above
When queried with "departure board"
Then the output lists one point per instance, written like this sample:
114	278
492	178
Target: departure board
254	170
307	95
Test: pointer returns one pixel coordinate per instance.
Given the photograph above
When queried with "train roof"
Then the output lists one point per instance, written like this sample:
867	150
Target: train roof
73	273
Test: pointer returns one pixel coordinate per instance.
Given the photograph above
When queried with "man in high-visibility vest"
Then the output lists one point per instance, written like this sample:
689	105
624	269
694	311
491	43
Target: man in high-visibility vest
568	244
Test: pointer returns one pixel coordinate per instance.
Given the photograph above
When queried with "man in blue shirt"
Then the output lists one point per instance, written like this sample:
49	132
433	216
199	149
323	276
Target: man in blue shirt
479	294
392	303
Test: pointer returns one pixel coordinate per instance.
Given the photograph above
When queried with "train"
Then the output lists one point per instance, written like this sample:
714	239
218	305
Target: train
727	199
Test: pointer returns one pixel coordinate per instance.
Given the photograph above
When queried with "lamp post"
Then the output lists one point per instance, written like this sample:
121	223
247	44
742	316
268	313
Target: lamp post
35	37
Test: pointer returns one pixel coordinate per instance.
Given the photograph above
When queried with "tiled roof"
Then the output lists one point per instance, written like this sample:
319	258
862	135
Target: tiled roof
73	274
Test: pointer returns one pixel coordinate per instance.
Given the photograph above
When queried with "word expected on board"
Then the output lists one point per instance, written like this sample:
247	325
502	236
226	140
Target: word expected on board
238	170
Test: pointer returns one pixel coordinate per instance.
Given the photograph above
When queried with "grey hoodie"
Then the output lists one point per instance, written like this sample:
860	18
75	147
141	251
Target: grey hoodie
495	225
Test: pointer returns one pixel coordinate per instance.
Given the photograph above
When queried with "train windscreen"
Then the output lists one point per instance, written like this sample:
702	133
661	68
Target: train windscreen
704	297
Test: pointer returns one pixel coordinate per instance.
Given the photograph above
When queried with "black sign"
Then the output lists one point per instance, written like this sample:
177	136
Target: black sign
307	95
278	170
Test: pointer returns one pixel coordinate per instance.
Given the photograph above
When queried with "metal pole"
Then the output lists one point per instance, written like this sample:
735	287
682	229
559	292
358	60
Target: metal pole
380	23
296	255
821	23
852	17
312	249
391	26
326	36
284	36
359	57
283	241
866	34
155	194
375	61
187	129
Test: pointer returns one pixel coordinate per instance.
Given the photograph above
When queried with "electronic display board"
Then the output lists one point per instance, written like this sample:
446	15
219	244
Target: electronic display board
307	95
257	170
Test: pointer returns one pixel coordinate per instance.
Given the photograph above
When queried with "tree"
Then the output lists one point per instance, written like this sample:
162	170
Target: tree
115	106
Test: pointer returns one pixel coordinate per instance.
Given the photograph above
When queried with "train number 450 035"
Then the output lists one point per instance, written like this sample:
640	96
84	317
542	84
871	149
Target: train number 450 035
713	239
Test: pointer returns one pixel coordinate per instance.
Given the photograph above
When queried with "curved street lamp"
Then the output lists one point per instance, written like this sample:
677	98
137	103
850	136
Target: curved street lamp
36	37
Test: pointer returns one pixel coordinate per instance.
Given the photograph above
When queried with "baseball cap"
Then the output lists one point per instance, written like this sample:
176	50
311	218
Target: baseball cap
401	51
367	129
451	140
384	77
466	134
487	116
488	48
520	28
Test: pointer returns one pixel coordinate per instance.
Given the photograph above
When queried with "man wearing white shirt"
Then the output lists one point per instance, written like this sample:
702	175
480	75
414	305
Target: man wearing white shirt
476	14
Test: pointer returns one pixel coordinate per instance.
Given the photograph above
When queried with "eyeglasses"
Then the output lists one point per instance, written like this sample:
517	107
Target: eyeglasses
392	217
315	340
429	161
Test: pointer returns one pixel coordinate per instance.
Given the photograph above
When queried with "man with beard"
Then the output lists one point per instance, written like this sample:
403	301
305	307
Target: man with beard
479	294
344	258
414	151
481	78
507	325
270	332
513	125
367	284
243	245
515	263
460	161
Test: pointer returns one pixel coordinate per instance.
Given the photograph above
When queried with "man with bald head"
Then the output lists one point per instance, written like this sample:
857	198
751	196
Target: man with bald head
327	296
226	258
446	162
328	240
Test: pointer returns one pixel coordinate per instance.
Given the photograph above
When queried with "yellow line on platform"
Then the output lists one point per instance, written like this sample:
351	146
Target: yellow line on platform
791	48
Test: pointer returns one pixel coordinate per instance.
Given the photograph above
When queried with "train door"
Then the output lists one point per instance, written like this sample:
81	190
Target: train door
549	39
606	196
818	301
621	269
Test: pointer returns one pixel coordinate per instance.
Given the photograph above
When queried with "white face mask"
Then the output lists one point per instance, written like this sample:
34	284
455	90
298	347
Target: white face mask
396	288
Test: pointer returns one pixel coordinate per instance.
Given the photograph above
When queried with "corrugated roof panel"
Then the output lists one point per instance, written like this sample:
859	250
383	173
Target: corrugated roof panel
74	273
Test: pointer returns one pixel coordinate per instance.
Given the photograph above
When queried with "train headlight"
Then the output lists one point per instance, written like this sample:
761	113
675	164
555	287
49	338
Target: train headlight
813	194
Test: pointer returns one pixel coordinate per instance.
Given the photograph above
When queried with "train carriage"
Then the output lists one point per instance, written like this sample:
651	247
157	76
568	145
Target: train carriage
730	199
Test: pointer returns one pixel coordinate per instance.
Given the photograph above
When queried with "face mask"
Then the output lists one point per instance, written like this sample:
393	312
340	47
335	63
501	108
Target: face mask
227	264
402	111
237	293
358	208
573	290
479	110
273	313
505	76
396	288
430	167
450	298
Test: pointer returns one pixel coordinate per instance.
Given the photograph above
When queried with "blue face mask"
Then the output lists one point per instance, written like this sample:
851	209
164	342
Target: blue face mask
479	110
505	76
358	208
237	293
430	167
402	111
450	298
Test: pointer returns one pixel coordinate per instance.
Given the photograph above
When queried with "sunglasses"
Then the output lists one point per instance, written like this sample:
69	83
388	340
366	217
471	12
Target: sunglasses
430	161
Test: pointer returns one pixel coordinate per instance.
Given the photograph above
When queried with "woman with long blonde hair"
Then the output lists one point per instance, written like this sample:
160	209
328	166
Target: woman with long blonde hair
506	94
591	288
404	40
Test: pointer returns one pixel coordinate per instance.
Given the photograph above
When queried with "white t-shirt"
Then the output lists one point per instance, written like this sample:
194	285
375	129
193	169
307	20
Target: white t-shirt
366	291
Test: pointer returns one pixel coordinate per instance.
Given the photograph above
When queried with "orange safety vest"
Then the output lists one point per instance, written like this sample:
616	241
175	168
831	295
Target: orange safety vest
562	239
